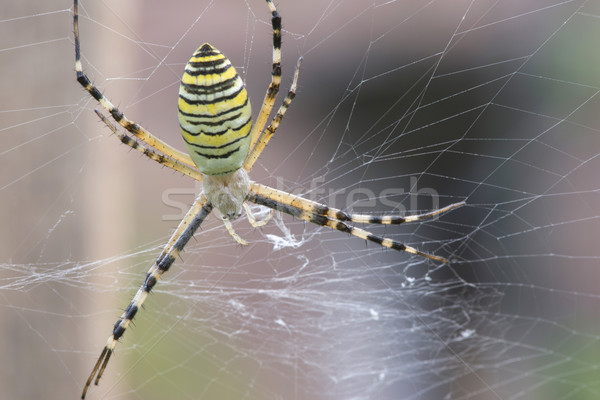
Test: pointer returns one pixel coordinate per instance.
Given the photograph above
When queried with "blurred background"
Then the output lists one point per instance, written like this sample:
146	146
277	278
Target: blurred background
402	106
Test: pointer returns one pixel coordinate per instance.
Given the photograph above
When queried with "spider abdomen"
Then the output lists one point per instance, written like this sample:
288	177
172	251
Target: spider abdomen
214	113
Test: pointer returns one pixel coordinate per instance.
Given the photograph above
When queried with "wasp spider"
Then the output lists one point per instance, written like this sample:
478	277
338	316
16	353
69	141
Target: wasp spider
223	145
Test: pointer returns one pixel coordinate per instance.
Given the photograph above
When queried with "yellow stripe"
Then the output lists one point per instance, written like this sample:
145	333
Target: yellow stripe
207	79
201	58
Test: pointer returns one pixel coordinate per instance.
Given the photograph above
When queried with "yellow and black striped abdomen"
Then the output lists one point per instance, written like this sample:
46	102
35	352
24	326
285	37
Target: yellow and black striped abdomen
214	113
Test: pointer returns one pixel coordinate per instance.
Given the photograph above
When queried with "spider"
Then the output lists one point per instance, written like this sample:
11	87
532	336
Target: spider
223	145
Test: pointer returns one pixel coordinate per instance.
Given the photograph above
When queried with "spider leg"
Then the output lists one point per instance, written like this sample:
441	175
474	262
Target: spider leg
273	88
117	115
268	133
333	213
233	233
393	219
153	155
186	229
252	219
322	215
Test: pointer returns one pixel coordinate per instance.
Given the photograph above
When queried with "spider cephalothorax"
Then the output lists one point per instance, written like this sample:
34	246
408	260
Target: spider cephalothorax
227	192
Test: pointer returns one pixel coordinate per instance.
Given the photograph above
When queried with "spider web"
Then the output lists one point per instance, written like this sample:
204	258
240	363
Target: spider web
403	106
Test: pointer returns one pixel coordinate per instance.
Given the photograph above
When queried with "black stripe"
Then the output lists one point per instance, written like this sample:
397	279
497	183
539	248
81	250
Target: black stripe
215	115
116	114
85	82
217	147
130	311
165	262
375	238
213	121
229	171
341	226
218	133
192	227
320	209
206	49
342	216
198	70
379	240
276	23
206	64
395	219
217	156
274	205
149	282
320	220
118	330
210	89
399	246
212	101
129	141
204	52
